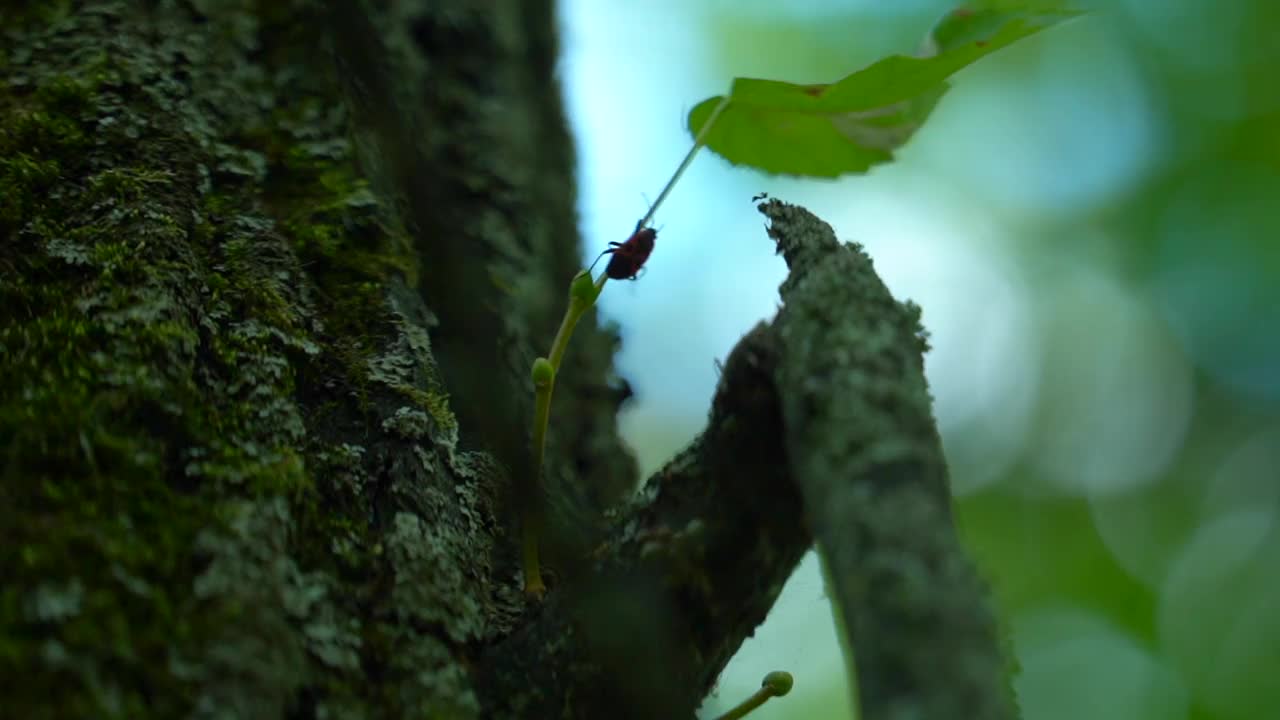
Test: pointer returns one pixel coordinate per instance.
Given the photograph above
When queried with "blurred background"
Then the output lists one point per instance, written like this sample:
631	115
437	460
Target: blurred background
1091	222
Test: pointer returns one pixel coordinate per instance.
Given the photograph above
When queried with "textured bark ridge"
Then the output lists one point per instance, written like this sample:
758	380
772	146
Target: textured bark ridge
234	484
271	278
866	456
691	567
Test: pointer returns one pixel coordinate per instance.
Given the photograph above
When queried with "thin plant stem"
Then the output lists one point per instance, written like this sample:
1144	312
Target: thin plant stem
580	301
756	700
698	142
532	521
577	308
775	684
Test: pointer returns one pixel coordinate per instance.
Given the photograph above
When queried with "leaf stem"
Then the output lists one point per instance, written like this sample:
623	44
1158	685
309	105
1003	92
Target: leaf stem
698	141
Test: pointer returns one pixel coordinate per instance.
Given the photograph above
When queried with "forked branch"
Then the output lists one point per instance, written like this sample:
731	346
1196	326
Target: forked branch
821	430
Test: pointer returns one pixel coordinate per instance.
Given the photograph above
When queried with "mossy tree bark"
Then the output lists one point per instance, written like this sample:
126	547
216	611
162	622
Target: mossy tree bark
273	276
271	280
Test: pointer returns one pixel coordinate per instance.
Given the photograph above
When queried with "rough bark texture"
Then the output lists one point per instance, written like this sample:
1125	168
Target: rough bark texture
867	458
234	236
272	275
690	568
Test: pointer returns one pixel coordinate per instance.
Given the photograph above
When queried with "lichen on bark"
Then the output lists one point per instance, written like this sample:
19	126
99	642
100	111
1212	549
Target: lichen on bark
866	456
233	475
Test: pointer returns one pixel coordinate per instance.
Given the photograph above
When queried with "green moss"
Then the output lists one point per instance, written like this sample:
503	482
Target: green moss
89	504
115	445
42	12
22	181
128	185
199	315
435	402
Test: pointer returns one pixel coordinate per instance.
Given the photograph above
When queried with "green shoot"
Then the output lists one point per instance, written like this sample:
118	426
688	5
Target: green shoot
582	295
775	684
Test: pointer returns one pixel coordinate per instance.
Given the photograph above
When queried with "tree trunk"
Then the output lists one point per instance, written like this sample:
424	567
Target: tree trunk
272	277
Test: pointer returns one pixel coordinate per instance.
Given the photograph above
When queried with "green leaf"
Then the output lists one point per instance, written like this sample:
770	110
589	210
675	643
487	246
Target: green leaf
856	123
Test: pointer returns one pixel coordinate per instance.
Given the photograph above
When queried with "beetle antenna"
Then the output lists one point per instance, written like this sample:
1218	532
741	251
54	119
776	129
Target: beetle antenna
593	262
613	248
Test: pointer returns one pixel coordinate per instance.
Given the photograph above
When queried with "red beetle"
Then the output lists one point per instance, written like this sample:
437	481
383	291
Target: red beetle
628	257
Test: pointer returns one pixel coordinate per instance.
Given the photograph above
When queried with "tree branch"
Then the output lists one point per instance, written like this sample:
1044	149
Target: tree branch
867	458
693	566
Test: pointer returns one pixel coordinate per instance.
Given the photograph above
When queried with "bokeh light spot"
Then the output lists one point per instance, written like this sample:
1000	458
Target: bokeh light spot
1218	275
1065	650
1116	399
1217	617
